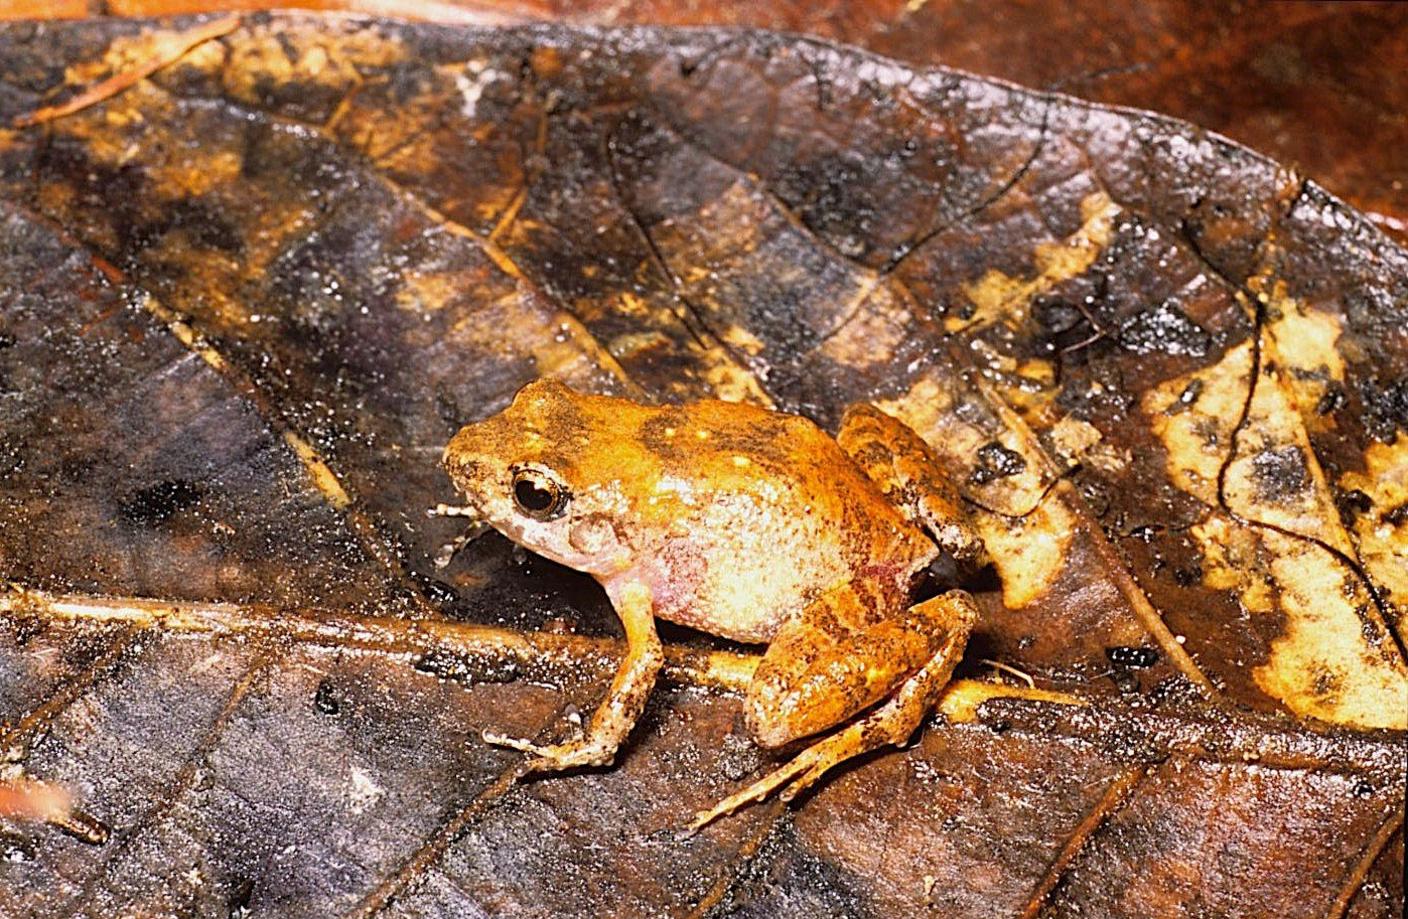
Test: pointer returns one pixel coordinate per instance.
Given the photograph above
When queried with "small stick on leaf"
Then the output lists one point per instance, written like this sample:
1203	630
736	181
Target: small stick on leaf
44	802
166	50
1009	669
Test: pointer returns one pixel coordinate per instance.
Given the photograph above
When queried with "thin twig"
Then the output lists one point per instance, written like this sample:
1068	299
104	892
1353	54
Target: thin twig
535	653
167	50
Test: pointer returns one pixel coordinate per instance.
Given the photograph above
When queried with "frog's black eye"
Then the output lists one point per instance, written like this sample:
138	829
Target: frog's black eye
538	495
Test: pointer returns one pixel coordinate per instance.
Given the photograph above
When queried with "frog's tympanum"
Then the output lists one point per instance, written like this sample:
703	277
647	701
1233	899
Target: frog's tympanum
745	523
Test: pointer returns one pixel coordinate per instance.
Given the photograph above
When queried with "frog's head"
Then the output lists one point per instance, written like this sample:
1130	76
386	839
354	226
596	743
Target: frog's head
534	472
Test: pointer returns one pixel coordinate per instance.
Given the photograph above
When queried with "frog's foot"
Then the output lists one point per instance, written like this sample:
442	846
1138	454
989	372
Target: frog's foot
624	701
447	552
555	757
801	773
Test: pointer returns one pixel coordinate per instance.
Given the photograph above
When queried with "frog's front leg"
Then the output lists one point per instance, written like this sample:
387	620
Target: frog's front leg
945	620
624	702
906	469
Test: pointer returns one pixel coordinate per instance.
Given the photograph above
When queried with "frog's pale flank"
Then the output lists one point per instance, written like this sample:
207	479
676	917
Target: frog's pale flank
745	523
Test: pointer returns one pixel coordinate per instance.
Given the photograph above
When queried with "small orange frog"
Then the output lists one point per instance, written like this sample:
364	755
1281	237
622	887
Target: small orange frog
745	523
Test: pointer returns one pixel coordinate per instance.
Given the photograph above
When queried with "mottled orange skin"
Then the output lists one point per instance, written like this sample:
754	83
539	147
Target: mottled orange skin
738	521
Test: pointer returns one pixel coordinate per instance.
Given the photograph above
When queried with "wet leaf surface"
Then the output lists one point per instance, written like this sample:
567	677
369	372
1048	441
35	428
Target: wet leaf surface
248	299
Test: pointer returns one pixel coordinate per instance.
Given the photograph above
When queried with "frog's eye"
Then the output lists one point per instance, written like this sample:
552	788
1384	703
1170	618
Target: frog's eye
538	494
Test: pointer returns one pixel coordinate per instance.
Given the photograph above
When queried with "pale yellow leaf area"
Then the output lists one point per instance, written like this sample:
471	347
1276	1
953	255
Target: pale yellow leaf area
1333	659
1383	535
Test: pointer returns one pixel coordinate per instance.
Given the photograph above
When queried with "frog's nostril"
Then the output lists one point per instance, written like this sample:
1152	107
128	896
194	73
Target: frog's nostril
462	467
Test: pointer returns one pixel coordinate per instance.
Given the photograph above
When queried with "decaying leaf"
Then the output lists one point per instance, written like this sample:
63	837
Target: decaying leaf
250	294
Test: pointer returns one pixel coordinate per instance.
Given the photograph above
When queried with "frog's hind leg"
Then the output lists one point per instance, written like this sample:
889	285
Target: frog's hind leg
914	479
949	617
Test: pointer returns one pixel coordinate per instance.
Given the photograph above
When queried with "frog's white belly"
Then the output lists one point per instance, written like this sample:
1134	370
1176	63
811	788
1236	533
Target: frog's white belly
734	575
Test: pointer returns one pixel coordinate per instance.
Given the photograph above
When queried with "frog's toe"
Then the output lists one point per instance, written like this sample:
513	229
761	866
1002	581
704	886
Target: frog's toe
800	773
514	743
570	756
808	777
556	757
727	806
757	791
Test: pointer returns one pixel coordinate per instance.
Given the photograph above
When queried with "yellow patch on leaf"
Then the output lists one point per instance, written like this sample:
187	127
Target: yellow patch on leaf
136	52
572	350
427	292
1074	438
1322	666
1229	552
1325	663
626	346
1029	552
874	326
1194	415
999	297
731	382
1302	341
265	55
1274	477
740	339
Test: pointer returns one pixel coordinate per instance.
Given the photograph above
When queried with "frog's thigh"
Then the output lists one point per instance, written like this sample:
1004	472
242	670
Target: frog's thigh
836	659
911	475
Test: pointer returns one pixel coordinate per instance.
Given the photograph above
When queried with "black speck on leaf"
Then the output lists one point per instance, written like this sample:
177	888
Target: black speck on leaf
325	699
1332	401
1385	407
1351	504
1135	658
996	462
158	503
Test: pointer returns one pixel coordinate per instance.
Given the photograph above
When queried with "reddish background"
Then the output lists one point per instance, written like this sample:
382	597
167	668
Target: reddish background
1322	86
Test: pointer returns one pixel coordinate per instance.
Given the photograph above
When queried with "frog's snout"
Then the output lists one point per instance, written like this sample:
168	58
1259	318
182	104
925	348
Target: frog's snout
456	463
466	473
